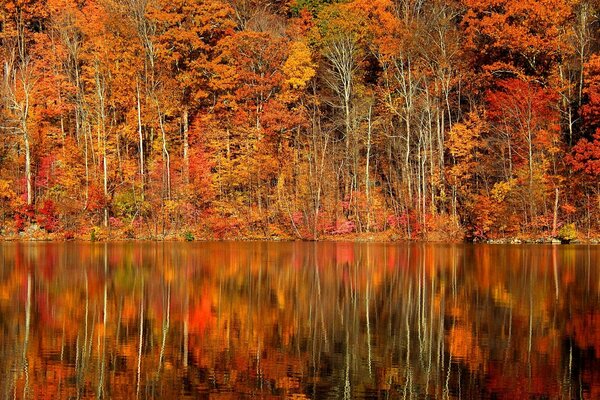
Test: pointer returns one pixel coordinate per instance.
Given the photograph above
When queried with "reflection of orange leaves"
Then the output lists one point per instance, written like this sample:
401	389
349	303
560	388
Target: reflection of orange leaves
201	316
501	296
542	345
463	346
4	292
280	298
129	310
591	376
169	273
99	328
586	329
512	383
568	276
128	350
288	383
344	253
456	312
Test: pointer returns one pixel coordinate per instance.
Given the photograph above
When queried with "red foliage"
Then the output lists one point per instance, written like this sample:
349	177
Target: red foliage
45	172
585	156
48	217
344	227
523	112
116	223
22	216
590	111
404	222
96	198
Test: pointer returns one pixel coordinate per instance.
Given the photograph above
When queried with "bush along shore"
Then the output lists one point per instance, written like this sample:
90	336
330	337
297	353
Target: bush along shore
34	232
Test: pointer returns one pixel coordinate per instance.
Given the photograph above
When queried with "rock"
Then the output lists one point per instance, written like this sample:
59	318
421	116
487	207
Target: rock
555	241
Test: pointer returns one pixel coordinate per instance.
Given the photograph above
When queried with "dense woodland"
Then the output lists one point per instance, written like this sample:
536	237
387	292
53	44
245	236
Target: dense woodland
308	119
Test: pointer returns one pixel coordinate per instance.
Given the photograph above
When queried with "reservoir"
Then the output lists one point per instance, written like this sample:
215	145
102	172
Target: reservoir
302	320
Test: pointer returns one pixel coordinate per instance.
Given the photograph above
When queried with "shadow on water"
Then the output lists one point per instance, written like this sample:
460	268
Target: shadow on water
301	320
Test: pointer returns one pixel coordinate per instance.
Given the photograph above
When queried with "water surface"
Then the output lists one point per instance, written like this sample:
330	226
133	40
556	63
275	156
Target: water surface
298	320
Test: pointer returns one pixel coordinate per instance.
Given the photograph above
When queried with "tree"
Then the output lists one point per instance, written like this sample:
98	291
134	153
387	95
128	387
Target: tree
513	38
525	124
21	20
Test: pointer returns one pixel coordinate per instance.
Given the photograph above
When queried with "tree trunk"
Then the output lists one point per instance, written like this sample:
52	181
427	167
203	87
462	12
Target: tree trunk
28	175
555	220
141	136
186	148
165	152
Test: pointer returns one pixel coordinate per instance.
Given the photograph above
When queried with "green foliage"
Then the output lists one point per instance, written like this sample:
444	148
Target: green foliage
312	6
124	204
188	236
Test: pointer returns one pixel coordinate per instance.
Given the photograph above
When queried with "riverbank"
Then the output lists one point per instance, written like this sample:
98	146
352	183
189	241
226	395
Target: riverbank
97	234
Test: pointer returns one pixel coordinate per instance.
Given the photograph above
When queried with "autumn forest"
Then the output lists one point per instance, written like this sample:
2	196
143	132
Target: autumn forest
308	119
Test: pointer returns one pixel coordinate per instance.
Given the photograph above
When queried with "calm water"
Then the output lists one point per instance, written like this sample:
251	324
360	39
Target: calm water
299	320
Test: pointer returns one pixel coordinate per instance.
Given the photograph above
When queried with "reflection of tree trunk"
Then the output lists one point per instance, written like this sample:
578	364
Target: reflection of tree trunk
367	166
186	318
368	326
26	339
82	350
165	327
555	271
100	389
141	341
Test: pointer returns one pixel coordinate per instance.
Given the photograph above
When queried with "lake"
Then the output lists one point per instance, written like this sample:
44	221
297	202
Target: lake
299	320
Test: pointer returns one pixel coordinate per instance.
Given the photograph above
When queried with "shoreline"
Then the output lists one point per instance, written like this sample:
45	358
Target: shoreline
359	238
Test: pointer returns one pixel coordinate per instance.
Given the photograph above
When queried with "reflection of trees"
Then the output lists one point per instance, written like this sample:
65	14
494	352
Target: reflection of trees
303	319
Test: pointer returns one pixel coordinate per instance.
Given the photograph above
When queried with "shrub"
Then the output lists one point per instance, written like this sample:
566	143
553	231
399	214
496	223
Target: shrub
567	233
188	236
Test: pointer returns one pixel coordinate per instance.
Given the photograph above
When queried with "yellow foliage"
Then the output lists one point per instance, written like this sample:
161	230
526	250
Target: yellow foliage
464	138
502	189
299	68
171	206
6	192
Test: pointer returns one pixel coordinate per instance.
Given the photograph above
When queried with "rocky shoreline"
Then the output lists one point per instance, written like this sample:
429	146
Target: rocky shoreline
546	240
